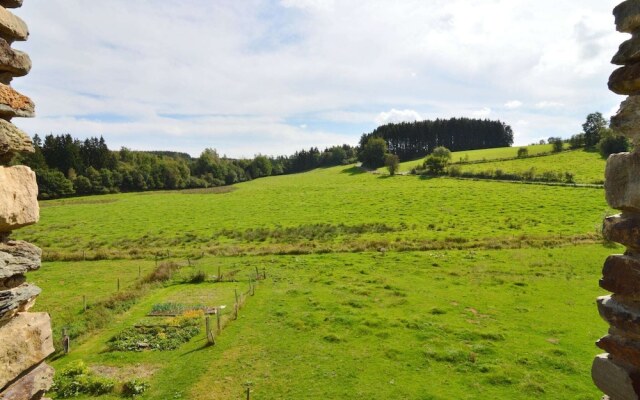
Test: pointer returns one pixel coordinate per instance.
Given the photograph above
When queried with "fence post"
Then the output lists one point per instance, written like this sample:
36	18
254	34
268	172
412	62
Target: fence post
248	393
264	272
210	338
218	319
236	311
66	345
236	291
219	274
139	271
84	303
257	273
118	284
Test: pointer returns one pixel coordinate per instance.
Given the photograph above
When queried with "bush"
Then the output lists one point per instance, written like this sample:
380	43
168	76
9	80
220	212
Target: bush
391	161
523	152
134	387
612	143
77	379
198	277
557	143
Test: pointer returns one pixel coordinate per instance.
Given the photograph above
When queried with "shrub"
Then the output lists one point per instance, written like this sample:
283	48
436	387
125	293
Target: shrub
523	152
612	143
77	379
162	273
391	161
198	277
134	387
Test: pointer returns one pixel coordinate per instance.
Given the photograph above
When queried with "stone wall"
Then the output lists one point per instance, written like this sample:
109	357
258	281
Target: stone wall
25	338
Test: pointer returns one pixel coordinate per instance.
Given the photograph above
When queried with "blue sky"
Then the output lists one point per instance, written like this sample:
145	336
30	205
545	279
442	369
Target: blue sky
274	76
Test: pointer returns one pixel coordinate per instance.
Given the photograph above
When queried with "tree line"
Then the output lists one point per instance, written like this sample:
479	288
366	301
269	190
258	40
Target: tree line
411	140
65	166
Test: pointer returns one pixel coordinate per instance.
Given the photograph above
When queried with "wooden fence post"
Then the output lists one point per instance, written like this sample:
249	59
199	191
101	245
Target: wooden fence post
118	284
218	319
210	337
84	303
66	345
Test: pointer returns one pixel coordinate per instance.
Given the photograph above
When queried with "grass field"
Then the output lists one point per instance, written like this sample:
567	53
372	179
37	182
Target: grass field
484	155
378	287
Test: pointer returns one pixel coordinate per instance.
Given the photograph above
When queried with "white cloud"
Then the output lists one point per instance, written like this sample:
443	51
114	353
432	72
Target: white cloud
483	113
513	104
397	116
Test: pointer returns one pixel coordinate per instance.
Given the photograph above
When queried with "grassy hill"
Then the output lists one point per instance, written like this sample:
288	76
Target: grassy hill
377	287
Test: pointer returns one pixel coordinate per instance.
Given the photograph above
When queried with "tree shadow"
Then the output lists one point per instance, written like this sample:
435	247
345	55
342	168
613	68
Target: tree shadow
355	170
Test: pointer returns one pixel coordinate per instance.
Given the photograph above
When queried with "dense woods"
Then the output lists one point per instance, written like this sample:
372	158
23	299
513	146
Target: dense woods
66	166
411	140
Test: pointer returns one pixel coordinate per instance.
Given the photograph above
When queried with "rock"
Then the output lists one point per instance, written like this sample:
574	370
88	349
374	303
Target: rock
12	27
16	259
13	61
620	315
32	385
627	120
14	104
621	275
614	379
627	16
13	141
629	52
626	80
622	181
18	198
17	300
623	229
623	349
11	3
26	341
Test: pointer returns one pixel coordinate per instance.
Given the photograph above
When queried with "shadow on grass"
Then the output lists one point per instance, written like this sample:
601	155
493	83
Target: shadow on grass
355	170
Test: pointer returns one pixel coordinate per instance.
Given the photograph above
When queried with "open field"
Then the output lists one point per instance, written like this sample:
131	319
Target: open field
378	287
484	155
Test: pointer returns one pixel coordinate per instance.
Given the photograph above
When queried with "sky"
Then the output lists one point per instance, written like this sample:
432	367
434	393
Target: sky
271	77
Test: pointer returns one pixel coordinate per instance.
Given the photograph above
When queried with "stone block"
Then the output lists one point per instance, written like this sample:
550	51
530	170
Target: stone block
11	3
621	348
620	315
622	181
626	80
12	28
16	259
623	229
621	275
32	385
627	15
628	52
13	61
18	198
614	379
17	300
13	141
14	104
627	120
26	341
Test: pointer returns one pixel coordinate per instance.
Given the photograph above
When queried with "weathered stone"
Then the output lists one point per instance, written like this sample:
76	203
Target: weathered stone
26	341
13	61
12	27
627	16
18	198
13	141
629	52
17	300
11	3
621	348
623	229
614	379
621	275
14	104
622	181
620	315
627	120
16	259
33	384
626	80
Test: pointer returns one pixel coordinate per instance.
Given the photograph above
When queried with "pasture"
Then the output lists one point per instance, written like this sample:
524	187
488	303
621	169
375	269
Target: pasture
377	287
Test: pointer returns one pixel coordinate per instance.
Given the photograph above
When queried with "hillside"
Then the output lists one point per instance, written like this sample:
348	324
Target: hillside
481	289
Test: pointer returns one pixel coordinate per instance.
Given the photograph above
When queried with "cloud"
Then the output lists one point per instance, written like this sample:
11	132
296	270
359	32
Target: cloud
248	66
483	113
397	116
513	104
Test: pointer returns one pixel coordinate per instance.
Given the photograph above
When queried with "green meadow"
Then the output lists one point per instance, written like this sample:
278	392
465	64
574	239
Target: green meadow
377	287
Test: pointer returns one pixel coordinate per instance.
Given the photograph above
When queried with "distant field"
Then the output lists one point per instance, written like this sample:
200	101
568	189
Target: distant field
484	154
336	209
378	287
587	167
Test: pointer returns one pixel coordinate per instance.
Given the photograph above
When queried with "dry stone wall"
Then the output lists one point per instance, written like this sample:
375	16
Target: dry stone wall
617	372
25	338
